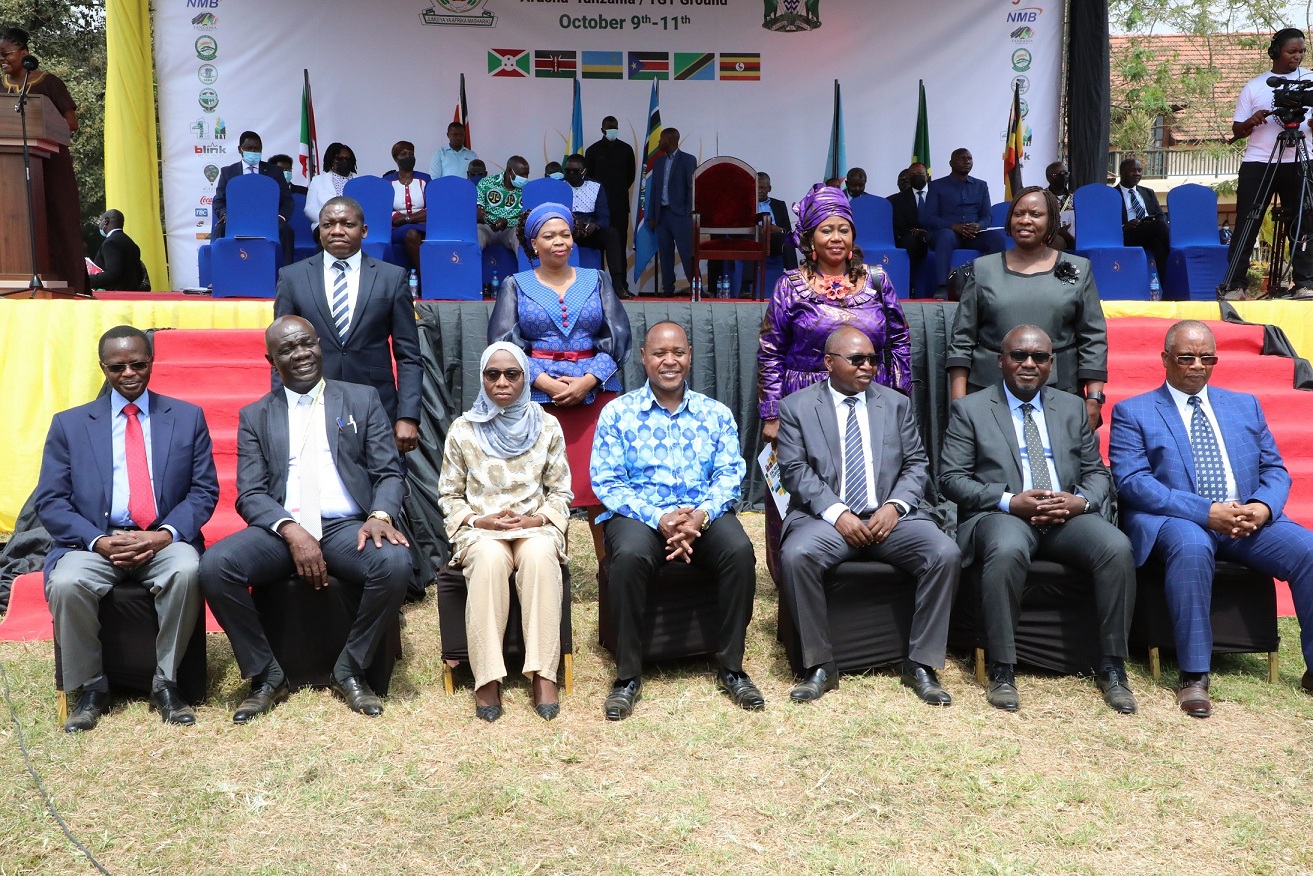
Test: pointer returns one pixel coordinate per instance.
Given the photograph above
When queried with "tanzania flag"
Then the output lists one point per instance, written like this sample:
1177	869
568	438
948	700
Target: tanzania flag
649	65
512	63
1015	149
462	113
644	236
604	65
695	65
921	139
742	66
554	65
308	151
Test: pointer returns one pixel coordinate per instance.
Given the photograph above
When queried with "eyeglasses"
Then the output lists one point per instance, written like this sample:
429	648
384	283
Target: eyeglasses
120	367
1039	357
857	360
512	375
1186	361
7	54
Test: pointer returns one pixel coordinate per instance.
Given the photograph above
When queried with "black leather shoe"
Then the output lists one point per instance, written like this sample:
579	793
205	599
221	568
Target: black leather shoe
624	294
1306	683
670	294
1002	693
924	682
1117	691
358	696
814	685
740	690
172	707
262	700
91	704
488	713
548	711
620	701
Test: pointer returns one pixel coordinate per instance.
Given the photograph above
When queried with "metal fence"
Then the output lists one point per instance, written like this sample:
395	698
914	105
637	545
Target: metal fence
1164	163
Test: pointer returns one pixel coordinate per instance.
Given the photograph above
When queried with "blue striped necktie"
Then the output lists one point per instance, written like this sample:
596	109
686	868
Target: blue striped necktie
854	462
341	313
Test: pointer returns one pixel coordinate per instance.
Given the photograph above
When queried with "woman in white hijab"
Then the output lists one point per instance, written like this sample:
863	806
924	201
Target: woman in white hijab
505	494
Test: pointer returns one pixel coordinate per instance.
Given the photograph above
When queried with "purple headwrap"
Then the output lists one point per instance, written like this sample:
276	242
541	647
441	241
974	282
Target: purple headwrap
539	216
816	206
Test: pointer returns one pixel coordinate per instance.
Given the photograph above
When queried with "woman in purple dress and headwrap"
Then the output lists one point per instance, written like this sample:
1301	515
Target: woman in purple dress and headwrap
831	288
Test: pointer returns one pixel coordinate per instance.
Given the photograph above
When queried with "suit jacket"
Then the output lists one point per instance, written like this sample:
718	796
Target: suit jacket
1153	465
120	259
76	485
781	217
1151	206
810	450
612	163
980	459
366	454
907	215
285	205
384	310
681	185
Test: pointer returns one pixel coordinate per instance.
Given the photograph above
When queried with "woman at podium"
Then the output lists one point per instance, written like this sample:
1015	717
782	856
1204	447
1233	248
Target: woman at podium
63	207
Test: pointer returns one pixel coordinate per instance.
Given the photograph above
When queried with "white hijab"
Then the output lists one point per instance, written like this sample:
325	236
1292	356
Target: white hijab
509	431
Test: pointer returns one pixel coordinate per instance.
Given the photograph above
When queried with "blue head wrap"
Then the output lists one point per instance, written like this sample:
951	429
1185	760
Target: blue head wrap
539	216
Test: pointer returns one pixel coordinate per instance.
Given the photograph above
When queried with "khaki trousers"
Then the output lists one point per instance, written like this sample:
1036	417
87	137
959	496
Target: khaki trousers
488	565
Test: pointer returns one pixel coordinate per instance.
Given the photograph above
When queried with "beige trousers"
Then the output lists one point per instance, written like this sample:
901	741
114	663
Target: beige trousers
488	565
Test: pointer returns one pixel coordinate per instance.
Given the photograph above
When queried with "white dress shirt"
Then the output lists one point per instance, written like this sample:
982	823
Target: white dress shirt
1187	415
831	515
1019	431
118	507
352	282
334	500
1129	198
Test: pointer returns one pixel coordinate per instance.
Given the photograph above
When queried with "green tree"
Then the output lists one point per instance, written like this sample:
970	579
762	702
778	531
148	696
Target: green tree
69	38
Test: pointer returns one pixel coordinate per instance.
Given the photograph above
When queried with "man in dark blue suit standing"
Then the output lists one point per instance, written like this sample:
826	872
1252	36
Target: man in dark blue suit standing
251	147
671	208
957	214
1198	477
126	483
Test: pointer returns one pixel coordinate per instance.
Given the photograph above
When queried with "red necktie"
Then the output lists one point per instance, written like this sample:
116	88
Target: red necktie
141	498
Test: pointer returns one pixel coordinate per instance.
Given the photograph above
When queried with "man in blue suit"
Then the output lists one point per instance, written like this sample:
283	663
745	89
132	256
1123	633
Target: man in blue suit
1199	476
670	208
957	215
251	146
126	483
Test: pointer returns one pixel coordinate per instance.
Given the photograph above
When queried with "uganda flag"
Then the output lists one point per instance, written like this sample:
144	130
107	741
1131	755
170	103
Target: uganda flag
695	65
512	63
649	65
603	65
741	66
554	65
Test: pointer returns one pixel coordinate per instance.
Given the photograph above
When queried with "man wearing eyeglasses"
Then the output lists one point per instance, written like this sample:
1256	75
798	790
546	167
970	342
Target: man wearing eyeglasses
126	483
1199	477
1023	466
853	463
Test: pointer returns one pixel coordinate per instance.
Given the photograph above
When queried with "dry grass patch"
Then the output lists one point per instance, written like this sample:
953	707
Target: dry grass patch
868	780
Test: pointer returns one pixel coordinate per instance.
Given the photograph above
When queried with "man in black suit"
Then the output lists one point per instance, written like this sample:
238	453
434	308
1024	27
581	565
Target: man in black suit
119	258
1143	222
356	309
318	484
671	208
1021	463
251	147
1059	179
909	232
854	184
610	161
853	463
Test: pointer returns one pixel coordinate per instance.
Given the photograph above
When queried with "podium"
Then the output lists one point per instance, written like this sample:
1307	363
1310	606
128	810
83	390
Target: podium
46	132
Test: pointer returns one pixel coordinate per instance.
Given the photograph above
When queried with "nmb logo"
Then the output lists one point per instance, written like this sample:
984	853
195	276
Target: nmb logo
208	4
1029	14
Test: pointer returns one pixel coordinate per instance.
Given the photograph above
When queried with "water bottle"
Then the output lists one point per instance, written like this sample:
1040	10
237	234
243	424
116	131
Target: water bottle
1155	290
695	289
495	285
722	287
413	282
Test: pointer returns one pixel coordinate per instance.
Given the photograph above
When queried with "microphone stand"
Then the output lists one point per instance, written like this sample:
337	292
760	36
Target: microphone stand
35	283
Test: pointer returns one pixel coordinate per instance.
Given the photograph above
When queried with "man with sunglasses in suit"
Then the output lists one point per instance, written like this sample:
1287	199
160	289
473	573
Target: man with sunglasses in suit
1023	466
853	463
1199	477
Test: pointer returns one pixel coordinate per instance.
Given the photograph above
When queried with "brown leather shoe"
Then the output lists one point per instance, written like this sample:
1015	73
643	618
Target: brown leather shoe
1192	697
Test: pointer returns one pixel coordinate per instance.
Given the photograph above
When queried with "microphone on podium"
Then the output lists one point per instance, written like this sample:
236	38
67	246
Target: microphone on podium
30	62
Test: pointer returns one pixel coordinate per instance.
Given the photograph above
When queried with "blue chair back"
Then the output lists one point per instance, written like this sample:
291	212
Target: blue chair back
1193	211
303	235
451	204
547	190
1098	216
874	218
375	196
252	207
998	214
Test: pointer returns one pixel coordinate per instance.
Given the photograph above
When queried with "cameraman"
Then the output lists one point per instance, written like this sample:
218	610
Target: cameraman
1253	119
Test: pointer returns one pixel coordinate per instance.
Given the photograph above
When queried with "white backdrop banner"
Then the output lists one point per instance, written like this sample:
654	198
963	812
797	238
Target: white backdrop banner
748	78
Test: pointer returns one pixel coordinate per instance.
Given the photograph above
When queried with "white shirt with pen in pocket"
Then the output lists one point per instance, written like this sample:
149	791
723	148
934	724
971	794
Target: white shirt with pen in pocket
334	500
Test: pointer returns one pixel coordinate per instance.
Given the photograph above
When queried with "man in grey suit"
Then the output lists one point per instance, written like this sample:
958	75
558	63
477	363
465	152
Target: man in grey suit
1021	463
853	463
318	484
356	305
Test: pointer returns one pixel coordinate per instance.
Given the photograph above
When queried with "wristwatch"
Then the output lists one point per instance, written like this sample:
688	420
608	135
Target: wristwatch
381	515
1096	396
1087	506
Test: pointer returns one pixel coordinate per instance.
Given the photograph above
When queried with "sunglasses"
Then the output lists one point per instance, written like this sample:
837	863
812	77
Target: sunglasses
1038	356
857	360
1186	361
120	367
492	375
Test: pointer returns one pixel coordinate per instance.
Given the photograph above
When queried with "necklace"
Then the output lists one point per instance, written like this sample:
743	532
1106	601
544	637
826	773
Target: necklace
833	287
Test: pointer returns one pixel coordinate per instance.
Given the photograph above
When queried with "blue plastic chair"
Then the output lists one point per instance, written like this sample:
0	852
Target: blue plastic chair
1120	271
874	218
244	262
449	257
998	217
1196	262
375	196
302	234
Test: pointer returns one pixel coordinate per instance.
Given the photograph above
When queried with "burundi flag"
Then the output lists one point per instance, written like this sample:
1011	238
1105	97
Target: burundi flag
308	151
603	65
644	236
555	65
740	66
1015	149
649	65
695	65
509	63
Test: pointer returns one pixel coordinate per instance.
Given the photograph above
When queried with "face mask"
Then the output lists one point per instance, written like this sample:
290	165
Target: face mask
518	181
406	163
475	177
557	175
104	233
251	158
287	174
612	133
342	167
918	182
574	177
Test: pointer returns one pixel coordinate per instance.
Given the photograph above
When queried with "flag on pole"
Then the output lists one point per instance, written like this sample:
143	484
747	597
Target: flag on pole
575	145
1015	149
836	161
921	139
462	114
644	236
308	151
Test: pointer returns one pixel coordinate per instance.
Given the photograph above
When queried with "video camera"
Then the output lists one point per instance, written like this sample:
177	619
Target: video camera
1291	99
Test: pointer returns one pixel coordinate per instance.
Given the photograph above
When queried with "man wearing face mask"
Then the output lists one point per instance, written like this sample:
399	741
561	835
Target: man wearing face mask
251	147
476	171
592	223
553	170
909	231
454	158
1060	184
610	163
284	163
499	204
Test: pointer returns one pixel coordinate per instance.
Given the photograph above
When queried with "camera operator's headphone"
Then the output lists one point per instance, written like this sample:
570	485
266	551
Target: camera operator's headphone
1280	38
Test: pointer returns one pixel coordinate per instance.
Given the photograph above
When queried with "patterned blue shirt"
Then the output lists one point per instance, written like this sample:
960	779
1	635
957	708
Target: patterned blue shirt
648	461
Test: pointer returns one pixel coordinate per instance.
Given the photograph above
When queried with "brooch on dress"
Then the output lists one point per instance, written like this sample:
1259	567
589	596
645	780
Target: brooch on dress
1067	272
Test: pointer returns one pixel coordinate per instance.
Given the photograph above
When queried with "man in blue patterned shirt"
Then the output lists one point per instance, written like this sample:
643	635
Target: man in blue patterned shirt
667	466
